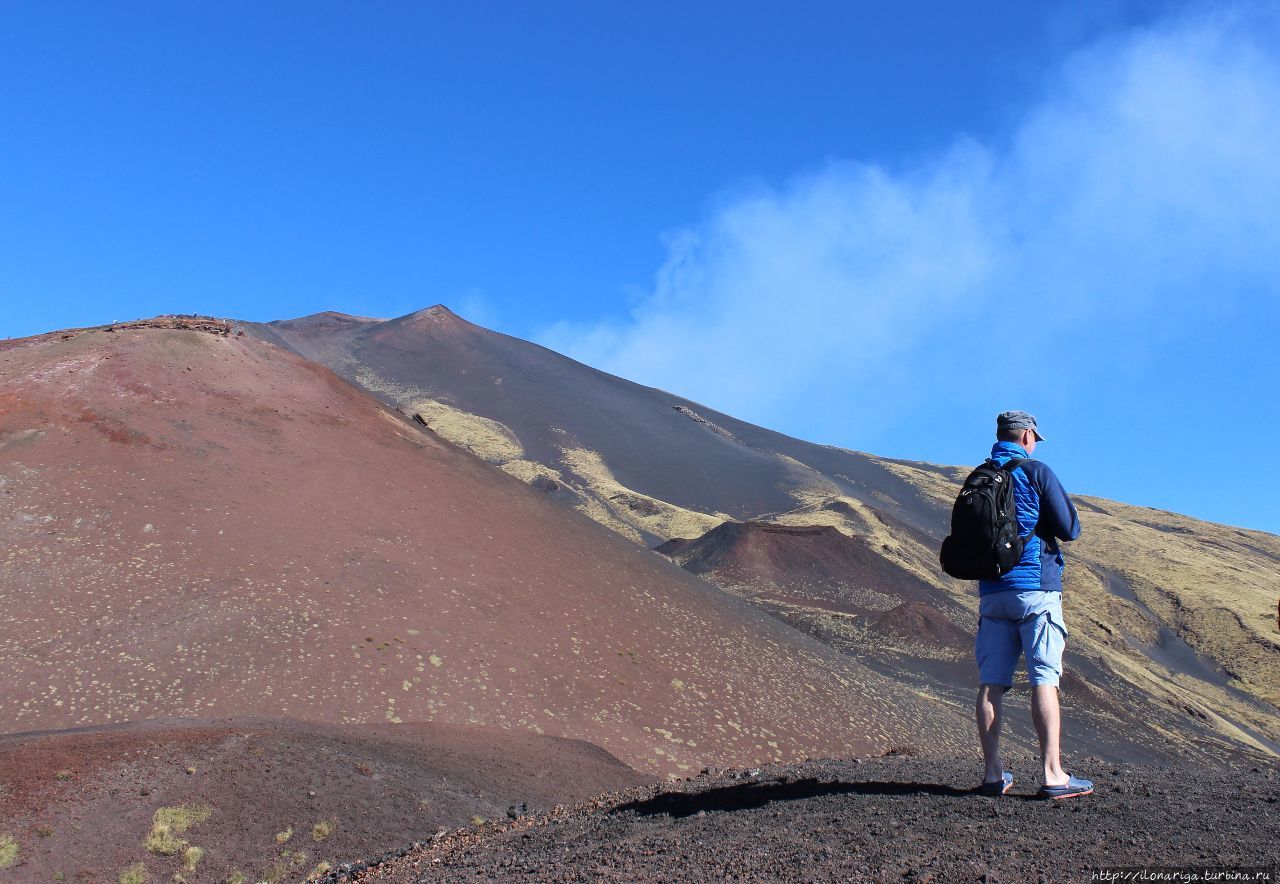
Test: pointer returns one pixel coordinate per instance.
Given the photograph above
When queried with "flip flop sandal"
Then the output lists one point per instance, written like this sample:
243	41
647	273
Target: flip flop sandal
1072	788
998	787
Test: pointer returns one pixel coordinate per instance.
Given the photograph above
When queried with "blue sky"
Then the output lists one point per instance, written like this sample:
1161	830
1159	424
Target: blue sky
865	226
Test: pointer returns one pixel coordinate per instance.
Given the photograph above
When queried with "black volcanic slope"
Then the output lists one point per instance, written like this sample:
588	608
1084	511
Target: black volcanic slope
654	442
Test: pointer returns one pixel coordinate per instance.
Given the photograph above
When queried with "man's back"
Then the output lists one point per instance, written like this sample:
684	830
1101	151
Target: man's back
1046	513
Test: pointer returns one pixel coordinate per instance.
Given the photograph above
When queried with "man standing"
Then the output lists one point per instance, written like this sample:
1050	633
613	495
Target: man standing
1021	612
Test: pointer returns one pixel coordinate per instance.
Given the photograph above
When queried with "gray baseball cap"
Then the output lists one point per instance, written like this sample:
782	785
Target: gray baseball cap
1018	420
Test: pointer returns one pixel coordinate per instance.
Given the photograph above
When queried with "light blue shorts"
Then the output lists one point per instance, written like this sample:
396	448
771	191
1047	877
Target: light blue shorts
1013	623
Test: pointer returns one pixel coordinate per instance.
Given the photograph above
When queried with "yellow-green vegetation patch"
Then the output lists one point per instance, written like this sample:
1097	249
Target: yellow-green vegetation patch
297	857
275	872
485	438
488	439
170	822
284	836
237	878
134	874
321	830
322	868
8	851
190	856
627	511
528	471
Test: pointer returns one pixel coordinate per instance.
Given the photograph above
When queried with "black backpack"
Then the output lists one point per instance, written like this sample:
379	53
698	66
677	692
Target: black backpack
984	540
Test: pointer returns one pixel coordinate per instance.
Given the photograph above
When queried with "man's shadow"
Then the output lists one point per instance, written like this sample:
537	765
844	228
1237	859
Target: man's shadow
749	796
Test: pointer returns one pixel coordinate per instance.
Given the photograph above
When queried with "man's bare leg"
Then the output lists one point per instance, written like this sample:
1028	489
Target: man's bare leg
988	715
1048	721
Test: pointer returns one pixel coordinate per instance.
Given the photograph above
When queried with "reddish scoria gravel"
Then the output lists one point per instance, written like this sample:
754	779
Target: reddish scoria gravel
891	819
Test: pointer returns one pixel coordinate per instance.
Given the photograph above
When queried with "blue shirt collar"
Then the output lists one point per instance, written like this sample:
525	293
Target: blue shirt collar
1003	451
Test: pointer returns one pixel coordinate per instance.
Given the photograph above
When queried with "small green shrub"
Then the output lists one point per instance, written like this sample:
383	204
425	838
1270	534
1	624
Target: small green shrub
135	874
275	872
8	851
170	822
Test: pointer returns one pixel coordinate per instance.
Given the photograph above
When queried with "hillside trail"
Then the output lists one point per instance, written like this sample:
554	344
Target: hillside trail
888	819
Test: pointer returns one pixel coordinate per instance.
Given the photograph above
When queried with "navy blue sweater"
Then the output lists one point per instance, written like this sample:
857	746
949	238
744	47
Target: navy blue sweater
1044	511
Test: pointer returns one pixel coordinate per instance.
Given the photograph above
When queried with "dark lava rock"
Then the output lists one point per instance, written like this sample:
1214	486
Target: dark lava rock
912	818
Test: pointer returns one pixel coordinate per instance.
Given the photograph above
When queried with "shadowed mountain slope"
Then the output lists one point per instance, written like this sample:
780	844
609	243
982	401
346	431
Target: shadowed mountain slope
199	523
1174	651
